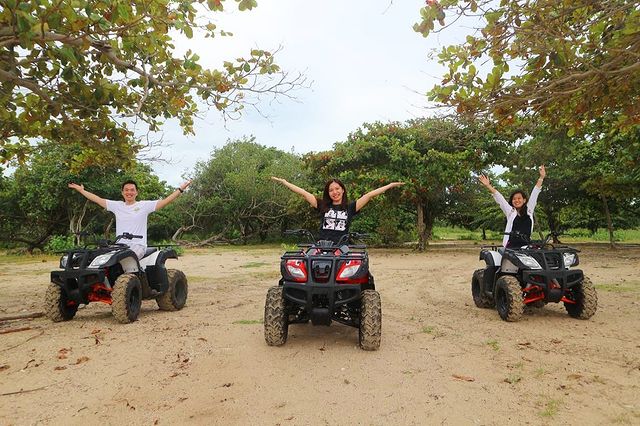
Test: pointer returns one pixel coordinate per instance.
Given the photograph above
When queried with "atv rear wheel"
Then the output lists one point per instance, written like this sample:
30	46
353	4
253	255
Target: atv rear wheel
57	306
479	297
276	319
126	298
176	295
509	298
370	330
586	298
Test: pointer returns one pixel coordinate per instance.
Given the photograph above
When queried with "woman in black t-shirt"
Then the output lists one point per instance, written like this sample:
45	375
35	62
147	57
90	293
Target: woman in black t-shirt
335	208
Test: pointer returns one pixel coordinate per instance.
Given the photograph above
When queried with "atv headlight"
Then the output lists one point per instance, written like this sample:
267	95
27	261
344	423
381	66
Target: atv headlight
63	261
528	261
100	260
570	259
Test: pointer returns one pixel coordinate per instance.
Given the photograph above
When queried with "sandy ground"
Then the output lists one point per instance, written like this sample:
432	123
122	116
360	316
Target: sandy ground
442	360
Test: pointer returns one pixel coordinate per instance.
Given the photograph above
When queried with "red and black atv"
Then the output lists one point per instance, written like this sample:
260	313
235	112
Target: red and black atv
111	273
532	275
323	282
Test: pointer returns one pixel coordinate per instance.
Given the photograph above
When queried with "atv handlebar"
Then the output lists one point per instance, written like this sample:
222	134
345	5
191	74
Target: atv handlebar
127	236
312	239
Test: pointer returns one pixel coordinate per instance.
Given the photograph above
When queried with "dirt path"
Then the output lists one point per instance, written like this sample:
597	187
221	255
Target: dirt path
442	360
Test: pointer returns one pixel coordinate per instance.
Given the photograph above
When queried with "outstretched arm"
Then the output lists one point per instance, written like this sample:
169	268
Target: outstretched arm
485	181
306	195
175	194
504	204
89	195
362	201
543	174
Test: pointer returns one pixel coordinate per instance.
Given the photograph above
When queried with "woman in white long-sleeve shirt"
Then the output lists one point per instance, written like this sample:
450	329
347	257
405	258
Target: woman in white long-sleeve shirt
519	210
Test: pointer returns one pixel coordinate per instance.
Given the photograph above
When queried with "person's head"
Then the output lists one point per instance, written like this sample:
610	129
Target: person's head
334	193
518	200
129	191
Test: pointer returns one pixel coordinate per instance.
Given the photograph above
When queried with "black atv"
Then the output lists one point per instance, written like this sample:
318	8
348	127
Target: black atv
324	282
111	273
534	274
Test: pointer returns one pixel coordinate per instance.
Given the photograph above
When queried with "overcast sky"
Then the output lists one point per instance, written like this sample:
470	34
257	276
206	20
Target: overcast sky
362	58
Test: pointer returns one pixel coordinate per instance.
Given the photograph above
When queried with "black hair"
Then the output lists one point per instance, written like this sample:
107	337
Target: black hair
129	182
524	195
326	201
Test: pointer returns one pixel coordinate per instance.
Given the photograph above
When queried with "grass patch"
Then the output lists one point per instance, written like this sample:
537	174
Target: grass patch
551	408
197	279
248	322
267	275
626	418
626	287
493	344
254	264
513	378
539	372
14	259
429	329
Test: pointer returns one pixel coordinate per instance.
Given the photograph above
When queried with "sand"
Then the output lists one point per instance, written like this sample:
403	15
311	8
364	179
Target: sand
442	360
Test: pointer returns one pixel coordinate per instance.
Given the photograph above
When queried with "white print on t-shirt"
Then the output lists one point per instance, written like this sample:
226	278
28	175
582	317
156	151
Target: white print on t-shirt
335	220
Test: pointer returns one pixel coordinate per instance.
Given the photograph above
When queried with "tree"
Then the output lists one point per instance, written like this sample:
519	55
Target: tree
567	62
432	156
232	196
35	202
83	71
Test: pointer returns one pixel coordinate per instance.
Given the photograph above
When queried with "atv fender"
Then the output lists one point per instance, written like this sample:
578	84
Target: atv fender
155	270
491	257
126	258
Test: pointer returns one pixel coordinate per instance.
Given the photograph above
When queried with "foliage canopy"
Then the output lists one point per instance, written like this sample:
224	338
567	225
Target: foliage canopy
84	71
567	62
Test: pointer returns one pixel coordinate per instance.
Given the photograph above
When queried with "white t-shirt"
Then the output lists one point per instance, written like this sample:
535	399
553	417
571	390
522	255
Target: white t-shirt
132	219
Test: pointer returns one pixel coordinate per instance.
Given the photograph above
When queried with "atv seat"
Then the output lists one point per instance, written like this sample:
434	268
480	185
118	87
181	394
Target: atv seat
149	251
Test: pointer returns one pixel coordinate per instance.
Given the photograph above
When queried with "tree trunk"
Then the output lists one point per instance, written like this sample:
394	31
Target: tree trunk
422	242
609	223
425	225
107	229
484	234
75	223
176	235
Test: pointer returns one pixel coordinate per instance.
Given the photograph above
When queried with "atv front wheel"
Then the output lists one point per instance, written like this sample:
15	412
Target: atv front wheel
176	295
126	298
370	330
57	306
586	298
479	297
509	298
276	319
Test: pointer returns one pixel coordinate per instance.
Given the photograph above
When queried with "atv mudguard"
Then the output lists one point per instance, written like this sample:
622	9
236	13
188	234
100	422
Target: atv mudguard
156	272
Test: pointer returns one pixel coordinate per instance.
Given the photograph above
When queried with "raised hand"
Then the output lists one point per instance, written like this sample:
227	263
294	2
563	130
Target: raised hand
76	186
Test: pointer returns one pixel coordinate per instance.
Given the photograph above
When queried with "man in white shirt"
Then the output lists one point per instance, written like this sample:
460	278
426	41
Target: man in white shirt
131	215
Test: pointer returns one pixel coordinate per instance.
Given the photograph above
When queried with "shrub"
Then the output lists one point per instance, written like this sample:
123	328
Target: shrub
59	243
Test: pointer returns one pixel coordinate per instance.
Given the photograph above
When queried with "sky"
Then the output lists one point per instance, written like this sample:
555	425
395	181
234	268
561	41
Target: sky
361	58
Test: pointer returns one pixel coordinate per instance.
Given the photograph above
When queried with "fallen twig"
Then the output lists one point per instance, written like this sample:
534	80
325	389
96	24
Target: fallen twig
24	391
22	316
22	343
15	330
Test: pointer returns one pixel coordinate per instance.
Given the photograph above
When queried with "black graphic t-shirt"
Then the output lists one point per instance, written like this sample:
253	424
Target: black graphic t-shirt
336	221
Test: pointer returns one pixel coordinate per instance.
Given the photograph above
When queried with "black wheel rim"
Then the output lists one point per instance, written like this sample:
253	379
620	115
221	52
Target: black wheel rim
134	302
180	292
501	301
475	289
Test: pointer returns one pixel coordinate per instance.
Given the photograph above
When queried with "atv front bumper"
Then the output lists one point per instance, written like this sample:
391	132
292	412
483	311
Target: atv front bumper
554	283
78	285
321	301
